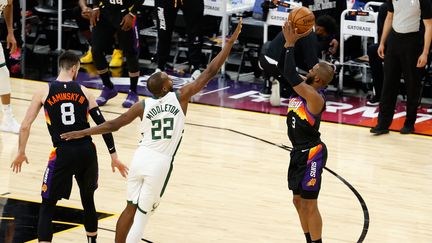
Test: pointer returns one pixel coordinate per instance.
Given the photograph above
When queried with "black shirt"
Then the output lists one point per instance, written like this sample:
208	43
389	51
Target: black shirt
66	109
303	127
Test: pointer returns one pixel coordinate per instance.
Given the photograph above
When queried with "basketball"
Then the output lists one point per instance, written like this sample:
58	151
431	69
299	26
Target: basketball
302	18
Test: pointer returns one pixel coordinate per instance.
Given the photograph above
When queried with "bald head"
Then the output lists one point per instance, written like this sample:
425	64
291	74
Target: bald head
325	72
156	82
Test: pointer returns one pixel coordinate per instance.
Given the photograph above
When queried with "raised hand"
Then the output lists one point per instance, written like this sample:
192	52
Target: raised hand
237	31
290	34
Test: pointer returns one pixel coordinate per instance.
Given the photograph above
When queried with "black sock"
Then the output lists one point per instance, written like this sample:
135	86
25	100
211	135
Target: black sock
317	241
133	84
106	79
308	237
91	239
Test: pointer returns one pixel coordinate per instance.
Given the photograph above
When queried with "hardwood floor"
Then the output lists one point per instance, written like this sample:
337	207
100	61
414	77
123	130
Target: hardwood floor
228	185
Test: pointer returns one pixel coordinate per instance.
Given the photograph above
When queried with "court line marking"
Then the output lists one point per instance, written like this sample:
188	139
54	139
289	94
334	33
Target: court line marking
76	225
366	217
214	91
356	193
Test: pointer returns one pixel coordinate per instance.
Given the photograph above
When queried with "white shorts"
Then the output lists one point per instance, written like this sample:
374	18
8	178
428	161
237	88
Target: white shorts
148	176
5	87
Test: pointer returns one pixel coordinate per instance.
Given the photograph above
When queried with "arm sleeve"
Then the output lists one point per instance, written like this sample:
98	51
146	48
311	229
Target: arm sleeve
98	118
289	69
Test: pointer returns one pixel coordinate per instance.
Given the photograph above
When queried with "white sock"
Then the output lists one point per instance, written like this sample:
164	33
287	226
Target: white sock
137	230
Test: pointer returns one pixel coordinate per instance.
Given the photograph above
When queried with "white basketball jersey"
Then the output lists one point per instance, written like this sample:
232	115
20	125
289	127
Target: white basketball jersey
162	124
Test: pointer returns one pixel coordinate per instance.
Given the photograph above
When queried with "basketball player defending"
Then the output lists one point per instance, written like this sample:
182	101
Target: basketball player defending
67	105
309	153
9	124
162	121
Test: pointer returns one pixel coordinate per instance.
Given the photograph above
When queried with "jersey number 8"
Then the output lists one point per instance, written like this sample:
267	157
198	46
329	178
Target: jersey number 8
67	113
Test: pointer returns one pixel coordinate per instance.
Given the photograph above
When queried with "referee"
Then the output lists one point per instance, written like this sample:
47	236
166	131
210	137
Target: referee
406	53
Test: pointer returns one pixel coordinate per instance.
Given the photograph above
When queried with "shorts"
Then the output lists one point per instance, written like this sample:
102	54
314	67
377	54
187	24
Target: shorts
68	160
5	87
148	176
305	170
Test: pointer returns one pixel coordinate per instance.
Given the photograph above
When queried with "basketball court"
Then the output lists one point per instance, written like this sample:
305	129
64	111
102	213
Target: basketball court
229	180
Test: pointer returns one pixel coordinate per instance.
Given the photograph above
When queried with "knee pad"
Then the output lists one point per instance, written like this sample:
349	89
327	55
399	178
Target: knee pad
5	87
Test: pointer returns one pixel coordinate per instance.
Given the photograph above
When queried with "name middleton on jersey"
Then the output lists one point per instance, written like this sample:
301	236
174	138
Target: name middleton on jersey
162	108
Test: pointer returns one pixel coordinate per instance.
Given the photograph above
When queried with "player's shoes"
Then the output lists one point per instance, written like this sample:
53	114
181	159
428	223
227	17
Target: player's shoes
87	58
131	99
379	131
9	124
195	74
407	129
275	99
106	94
116	59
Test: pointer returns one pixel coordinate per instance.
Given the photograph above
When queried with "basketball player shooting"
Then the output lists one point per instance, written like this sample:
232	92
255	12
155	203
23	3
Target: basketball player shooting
309	153
162	122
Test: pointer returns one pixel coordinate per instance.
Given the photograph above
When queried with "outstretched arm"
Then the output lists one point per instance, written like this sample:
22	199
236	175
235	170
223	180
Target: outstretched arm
108	126
24	134
315	101
189	90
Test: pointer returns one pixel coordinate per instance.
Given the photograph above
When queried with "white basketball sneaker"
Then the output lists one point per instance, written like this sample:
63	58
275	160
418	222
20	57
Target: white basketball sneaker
9	124
195	75
275	99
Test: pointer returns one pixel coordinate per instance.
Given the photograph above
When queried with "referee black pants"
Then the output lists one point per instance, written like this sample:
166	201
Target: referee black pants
193	12
403	51
377	69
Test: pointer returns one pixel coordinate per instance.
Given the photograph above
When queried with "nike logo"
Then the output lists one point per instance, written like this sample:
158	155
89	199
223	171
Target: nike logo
111	149
304	150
